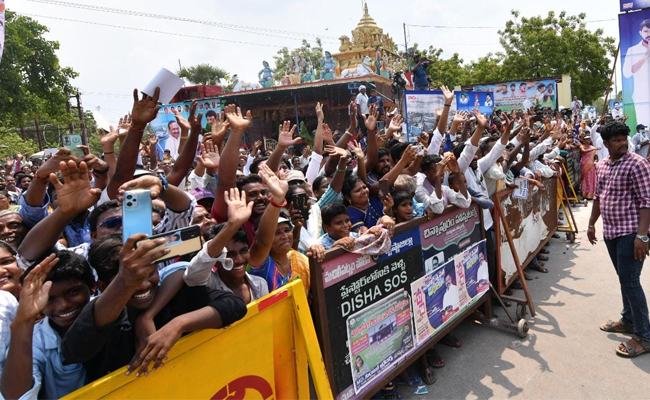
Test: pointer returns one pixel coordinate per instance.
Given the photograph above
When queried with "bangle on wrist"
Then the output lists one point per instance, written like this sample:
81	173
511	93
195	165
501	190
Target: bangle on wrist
274	204
341	169
447	105
591	226
102	172
109	152
136	129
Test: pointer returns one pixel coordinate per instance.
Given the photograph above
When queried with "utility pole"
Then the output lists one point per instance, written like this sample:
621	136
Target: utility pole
38	135
84	138
70	125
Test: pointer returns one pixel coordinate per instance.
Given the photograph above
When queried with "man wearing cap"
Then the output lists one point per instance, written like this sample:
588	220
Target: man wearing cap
641	141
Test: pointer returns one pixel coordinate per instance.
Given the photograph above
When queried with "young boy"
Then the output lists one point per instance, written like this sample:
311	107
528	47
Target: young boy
337	227
59	288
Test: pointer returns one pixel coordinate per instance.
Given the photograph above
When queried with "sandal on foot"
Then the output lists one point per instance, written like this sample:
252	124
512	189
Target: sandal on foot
539	268
428	375
517	285
547	244
451	341
542	258
627	349
544	251
617	327
527	276
556	236
434	359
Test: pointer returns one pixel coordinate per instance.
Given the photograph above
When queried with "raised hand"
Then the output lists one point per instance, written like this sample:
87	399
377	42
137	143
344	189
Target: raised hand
209	156
424	139
388	203
125	122
238	210
195	120
319	112
356	149
75	194
145	182
220	126
335	151
285	135
449	94
51	166
452	163
276	186
144	110
327	134
152	139
371	119
238	123
460	116
396	123
438	112
108	139
182	122
409	154
354	111
480	119
257	144
35	292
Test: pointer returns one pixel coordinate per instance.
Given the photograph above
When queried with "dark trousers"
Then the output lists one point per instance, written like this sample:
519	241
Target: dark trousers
635	306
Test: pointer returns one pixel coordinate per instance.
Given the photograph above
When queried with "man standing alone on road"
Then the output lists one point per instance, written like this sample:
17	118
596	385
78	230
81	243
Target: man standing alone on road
623	198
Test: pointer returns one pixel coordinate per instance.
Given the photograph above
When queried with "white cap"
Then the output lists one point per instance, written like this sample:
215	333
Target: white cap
362	87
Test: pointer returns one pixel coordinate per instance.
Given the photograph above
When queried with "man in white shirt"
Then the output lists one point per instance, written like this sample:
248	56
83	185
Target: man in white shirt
635	65
174	139
450	301
362	101
641	141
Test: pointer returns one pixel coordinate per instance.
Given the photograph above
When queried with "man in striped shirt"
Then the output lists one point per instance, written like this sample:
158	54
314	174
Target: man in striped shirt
623	199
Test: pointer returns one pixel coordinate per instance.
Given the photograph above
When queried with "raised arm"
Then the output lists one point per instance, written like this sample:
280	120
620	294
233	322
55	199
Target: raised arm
184	125
269	221
229	159
153	154
75	195
449	98
144	111
371	126
187	147
35	195
175	199
285	139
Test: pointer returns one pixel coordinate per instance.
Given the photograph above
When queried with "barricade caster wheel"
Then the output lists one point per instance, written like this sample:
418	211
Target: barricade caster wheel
522	328
521	311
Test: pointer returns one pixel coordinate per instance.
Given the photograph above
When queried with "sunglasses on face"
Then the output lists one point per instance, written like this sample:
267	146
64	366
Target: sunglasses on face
111	223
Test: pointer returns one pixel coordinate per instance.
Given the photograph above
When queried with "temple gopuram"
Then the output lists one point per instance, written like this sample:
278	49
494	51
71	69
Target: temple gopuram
365	38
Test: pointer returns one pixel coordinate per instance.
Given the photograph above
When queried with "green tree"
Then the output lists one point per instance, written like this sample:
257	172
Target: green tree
203	74
33	85
450	71
11	143
488	68
555	45
306	50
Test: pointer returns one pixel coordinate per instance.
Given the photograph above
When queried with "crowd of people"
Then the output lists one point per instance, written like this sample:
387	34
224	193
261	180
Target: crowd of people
78	300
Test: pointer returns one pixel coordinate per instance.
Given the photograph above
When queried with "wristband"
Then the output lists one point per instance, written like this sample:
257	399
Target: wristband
95	172
591	226
447	105
136	129
341	169
165	184
274	204
109	152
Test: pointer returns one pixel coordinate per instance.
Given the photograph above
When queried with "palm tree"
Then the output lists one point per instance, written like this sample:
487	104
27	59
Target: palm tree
203	74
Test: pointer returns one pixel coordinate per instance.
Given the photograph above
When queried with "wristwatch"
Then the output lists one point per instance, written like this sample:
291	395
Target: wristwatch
643	238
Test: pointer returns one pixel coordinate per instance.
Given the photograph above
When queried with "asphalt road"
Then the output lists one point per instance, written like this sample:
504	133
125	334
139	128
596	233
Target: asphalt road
565	355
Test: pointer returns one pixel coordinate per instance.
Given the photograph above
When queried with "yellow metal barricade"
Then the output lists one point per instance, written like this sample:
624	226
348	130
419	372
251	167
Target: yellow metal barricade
263	356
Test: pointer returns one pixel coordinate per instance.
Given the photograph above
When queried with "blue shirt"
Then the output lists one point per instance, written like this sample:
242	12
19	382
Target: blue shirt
380	103
420	76
74	233
51	378
327	242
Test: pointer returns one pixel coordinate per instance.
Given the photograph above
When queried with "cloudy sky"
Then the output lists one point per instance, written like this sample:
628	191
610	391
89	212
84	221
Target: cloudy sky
116	51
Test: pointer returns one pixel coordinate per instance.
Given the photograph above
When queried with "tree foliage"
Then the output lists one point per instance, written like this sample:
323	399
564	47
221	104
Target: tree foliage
533	48
558	44
203	74
33	84
11	143
284	55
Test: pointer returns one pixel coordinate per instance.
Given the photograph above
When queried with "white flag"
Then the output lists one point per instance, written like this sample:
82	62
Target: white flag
2	26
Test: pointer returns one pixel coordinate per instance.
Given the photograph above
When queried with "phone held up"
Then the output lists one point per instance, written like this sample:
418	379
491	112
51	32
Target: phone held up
136	213
180	242
70	142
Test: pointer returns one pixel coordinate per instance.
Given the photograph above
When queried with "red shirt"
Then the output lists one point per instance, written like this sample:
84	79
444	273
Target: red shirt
623	188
